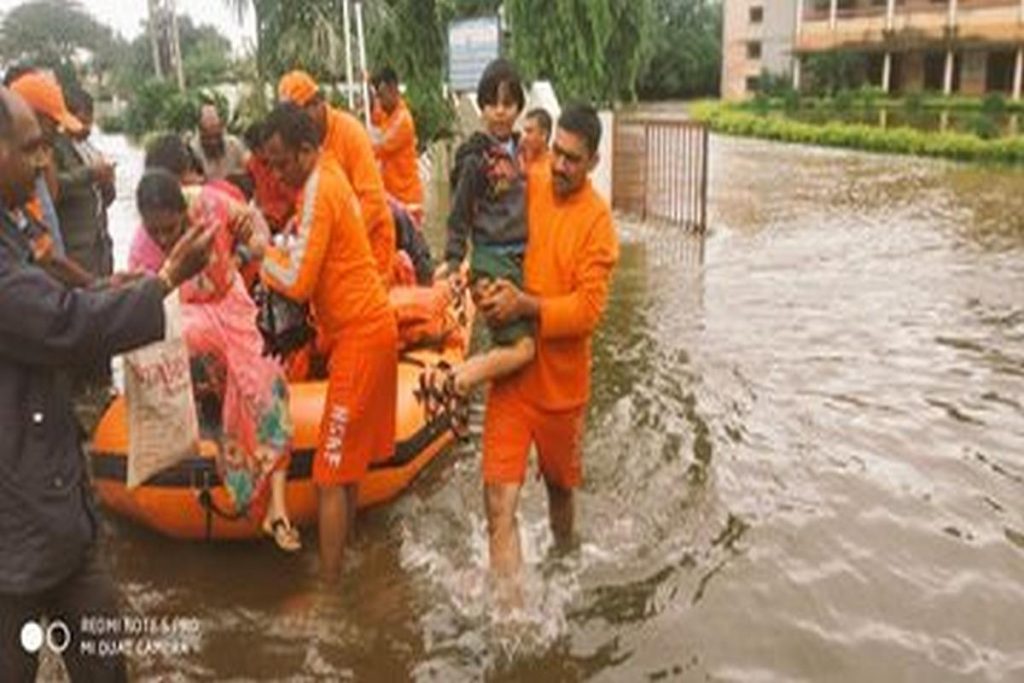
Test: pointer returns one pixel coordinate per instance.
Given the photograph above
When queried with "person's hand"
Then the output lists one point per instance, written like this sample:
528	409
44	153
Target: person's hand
245	229
441	272
103	172
501	302
189	256
122	278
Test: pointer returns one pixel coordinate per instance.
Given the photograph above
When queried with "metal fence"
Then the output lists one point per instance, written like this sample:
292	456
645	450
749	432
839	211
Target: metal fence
660	170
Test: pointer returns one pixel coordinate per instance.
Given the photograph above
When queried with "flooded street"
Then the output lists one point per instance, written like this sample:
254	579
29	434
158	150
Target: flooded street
804	461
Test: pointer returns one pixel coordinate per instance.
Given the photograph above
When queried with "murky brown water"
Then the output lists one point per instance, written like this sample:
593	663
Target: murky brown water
805	461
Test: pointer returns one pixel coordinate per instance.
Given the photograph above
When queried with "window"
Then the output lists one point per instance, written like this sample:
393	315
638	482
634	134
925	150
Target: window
754	50
756	15
753	83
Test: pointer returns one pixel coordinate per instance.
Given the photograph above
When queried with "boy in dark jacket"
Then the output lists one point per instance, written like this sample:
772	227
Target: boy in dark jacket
489	213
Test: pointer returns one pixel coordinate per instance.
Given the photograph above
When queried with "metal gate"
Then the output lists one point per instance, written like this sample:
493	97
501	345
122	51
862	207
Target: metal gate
660	170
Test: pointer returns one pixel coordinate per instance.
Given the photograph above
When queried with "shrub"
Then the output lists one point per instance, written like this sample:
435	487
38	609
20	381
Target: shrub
761	104
984	126
791	101
731	120
994	104
159	105
843	102
914	103
112	125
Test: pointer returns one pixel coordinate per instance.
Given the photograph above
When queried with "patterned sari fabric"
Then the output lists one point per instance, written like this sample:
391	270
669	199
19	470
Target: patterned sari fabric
219	320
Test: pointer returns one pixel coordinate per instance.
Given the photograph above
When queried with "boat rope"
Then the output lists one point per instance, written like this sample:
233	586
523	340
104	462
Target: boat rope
209	505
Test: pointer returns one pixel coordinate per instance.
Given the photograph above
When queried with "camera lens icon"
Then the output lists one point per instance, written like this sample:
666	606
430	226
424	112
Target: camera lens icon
32	637
57	636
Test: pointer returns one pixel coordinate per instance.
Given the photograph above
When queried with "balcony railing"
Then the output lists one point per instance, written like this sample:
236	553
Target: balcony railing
820	10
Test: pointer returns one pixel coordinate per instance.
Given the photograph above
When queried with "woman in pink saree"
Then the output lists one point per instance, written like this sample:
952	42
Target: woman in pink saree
219	321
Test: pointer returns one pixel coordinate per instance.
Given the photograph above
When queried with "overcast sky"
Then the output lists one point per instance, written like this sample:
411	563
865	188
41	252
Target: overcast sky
125	17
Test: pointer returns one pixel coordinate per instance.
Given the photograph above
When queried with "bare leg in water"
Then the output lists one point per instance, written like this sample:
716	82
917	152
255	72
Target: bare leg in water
286	536
337	520
501	502
562	516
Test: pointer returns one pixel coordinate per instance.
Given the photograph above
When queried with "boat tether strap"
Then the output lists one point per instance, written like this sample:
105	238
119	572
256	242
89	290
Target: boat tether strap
206	501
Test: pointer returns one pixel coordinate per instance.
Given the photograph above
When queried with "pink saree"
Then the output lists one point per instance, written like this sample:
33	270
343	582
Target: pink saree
219	320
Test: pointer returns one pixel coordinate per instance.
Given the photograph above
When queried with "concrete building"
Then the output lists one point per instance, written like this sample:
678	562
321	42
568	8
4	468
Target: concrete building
969	47
758	37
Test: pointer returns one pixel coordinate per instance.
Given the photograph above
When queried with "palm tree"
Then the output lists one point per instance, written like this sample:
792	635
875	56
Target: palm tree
290	33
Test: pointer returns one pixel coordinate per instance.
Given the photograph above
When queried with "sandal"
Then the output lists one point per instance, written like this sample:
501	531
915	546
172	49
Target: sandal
440	398
284	534
431	391
456	407
458	416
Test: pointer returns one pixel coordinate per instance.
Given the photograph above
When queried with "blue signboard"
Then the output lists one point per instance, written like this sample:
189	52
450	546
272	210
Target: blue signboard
472	43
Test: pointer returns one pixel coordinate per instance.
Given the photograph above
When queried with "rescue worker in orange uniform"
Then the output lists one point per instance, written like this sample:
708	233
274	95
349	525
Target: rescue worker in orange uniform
533	143
396	146
329	263
570	256
343	137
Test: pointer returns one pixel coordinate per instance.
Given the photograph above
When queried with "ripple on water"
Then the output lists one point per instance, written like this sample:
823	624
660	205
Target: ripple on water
804	462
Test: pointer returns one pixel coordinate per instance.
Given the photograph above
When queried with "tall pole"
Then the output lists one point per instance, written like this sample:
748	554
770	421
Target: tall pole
799	27
179	68
361	40
833	14
952	13
154	37
887	72
1018	74
890	14
347	21
947	83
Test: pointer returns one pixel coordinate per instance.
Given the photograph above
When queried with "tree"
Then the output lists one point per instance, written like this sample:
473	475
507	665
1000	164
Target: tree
835	71
207	53
207	57
49	33
686	54
591	49
290	35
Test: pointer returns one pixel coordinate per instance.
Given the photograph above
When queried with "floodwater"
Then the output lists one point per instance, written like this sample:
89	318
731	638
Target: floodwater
804	461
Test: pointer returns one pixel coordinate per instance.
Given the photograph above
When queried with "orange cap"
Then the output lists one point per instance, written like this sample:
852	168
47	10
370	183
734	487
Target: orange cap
44	96
298	87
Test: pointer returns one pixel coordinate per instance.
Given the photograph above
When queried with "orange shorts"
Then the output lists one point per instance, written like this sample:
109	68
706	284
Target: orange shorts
358	425
512	424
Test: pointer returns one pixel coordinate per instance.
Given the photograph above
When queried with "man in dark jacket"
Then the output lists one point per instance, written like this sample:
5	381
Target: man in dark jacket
49	565
85	181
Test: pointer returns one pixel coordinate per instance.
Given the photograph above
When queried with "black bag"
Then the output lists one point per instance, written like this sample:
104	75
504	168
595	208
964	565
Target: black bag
285	324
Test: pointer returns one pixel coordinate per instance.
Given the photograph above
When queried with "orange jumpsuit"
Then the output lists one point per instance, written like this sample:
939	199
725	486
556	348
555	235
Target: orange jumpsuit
330	264
570	256
399	163
349	143
539	165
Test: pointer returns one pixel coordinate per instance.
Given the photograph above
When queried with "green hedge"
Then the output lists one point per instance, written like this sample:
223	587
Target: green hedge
876	98
724	118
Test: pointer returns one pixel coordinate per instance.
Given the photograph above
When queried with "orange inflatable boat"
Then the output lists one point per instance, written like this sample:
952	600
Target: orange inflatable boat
188	500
